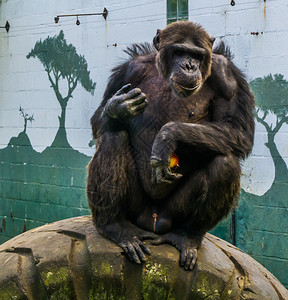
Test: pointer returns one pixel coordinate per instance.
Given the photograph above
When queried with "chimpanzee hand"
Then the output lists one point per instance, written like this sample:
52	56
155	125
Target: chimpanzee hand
129	237
163	147
187	246
126	104
161	172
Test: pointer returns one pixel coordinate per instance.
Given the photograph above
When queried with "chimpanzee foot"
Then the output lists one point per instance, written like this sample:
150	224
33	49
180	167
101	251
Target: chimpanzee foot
129	237
133	246
187	246
135	249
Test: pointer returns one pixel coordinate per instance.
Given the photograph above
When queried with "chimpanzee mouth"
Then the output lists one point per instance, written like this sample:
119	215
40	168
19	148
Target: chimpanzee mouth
188	88
184	89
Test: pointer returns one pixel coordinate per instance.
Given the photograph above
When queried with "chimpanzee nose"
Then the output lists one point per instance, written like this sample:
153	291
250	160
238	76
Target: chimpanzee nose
188	67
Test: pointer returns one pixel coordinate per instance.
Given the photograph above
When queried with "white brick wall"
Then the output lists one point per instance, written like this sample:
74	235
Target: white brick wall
24	82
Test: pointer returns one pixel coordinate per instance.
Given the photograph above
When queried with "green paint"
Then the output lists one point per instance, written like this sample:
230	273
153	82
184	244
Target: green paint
271	95
37	188
225	229
61	61
262	223
26	118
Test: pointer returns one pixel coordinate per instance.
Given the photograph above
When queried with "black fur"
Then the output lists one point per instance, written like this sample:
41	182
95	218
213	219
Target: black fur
210	130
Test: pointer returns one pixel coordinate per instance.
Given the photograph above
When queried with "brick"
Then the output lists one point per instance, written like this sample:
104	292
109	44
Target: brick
275	266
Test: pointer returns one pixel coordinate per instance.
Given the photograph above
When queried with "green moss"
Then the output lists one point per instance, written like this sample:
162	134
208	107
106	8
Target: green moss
59	284
155	282
207	286
104	288
11	291
107	284
106	269
55	277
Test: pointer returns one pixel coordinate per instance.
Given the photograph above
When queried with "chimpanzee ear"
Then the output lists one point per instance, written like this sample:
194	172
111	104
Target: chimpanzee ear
212	39
156	39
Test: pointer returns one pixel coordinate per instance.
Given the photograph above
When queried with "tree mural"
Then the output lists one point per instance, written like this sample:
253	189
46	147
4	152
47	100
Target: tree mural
26	118
271	94
62	62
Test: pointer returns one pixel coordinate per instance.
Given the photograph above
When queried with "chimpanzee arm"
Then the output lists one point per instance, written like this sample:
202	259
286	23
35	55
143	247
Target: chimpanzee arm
111	180
230	131
118	110
120	103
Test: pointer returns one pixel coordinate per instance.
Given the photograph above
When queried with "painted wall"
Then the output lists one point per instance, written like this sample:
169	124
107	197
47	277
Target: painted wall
45	147
257	33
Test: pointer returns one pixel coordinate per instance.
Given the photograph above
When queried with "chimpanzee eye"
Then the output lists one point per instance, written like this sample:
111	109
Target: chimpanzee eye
198	57
178	52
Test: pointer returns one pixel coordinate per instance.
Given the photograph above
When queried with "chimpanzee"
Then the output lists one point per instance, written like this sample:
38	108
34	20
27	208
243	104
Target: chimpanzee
174	122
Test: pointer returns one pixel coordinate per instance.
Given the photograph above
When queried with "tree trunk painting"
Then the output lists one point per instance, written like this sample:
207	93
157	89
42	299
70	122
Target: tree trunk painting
61	61
261	221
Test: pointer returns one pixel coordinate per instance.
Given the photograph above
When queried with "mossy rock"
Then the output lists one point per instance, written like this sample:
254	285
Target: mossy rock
70	260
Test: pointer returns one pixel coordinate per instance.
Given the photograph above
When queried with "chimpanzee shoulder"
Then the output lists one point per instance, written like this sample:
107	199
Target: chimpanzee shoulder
133	70
226	78
139	57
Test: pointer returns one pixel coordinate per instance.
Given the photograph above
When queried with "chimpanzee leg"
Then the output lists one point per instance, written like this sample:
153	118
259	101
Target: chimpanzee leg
209	193
108	176
112	185
205	198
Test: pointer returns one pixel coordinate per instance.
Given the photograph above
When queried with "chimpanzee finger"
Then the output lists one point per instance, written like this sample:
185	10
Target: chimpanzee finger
163	178
194	259
183	257
139	252
133	253
159	174
136	108
133	93
145	248
136	100
171	176
124	246
139	109
189	259
124	89
153	176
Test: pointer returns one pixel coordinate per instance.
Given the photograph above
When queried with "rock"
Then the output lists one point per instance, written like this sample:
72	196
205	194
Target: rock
70	260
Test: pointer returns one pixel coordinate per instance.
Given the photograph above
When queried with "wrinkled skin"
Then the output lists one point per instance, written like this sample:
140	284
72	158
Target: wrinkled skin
124	106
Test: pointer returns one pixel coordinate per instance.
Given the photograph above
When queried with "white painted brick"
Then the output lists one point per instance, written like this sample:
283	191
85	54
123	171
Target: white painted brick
24	82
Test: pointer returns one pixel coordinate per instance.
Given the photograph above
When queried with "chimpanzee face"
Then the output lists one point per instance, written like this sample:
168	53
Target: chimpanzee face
185	75
184	57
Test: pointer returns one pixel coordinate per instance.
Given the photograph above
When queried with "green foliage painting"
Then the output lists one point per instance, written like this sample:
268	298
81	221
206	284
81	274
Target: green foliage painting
261	221
38	188
61	61
271	94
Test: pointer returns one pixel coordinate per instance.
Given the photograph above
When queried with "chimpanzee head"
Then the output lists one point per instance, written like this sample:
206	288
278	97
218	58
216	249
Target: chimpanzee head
184	56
